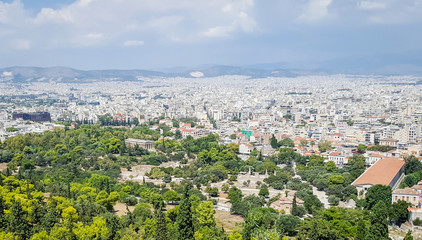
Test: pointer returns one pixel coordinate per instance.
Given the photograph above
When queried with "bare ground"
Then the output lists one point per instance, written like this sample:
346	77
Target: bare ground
120	209
3	166
228	221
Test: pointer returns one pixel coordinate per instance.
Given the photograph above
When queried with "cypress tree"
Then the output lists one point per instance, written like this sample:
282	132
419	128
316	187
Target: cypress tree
294	207
161	232
184	219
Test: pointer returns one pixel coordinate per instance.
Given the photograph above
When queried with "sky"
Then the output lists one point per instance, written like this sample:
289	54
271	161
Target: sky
153	34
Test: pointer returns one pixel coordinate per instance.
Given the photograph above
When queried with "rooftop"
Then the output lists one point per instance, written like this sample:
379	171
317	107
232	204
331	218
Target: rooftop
407	191
382	172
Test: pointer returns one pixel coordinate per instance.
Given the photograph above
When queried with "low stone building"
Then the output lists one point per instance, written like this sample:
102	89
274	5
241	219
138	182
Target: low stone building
146	144
286	204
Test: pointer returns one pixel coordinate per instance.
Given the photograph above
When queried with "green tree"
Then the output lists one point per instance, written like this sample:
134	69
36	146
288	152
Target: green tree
379	224
294	211
273	142
412	164
235	235
333	200
287	224
378	193
225	187
264	192
142	211
205	214
336	179
356	165
212	191
178	134
399	212
235	195
161	233
113	225
361	148
330	166
361	230
408	236
323	146
312	204
49	219
97	230
171	196
287	142
3	222
244	206
315	160
17	221
184	219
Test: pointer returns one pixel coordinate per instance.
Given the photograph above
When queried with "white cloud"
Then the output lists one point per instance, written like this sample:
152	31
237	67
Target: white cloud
20	44
132	43
49	15
116	22
316	10
227	8
246	23
95	35
219	31
367	5
242	22
12	13
84	3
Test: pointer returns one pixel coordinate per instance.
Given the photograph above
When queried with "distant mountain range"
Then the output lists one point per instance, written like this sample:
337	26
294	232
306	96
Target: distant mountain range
66	74
412	65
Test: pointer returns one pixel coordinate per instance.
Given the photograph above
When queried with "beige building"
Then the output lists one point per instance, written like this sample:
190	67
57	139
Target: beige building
146	144
285	204
391	142
409	195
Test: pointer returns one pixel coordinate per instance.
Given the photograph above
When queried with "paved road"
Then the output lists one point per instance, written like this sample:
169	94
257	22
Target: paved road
321	195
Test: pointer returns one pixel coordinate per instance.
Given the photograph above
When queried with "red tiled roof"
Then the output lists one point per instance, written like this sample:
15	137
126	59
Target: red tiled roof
382	172
335	154
407	191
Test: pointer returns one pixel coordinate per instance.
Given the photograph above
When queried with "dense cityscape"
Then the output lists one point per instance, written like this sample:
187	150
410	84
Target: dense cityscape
210	120
285	147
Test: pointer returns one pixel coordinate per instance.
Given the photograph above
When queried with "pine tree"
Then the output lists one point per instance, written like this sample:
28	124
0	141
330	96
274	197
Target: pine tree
161	233
184	219
17	221
2	216
49	219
